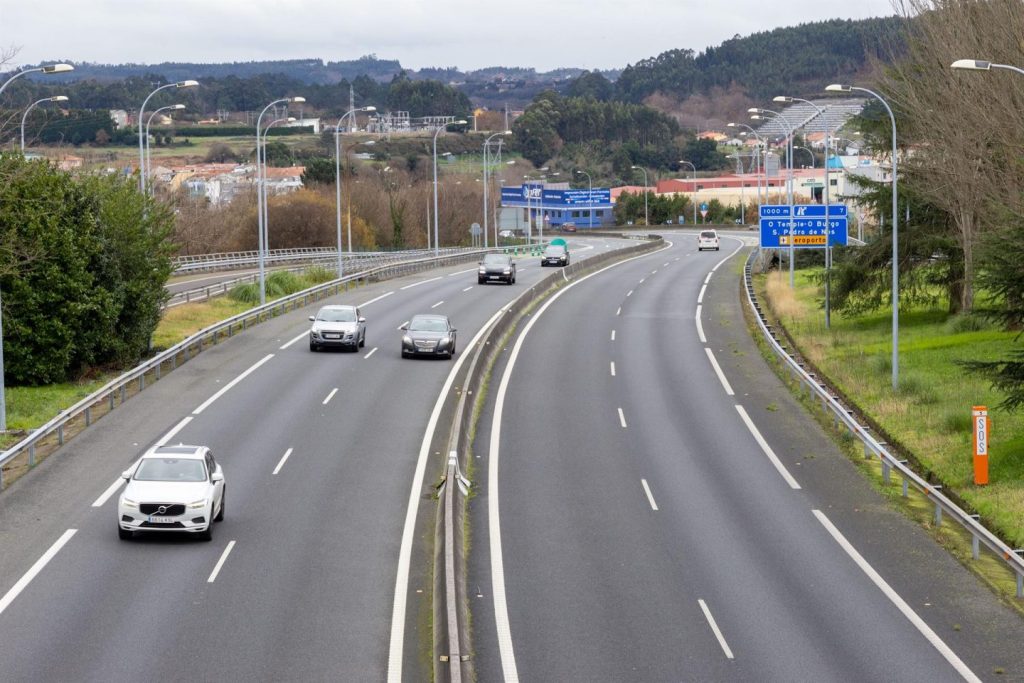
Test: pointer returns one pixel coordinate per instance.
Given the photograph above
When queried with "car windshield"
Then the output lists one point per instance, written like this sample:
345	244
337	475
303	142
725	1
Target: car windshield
427	325
337	315
554	251
496	259
170	469
708	234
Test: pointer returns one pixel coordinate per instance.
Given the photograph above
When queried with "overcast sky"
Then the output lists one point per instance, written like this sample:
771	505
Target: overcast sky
544	34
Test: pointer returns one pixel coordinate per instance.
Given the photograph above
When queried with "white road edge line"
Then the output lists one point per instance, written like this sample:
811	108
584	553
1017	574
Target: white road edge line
421	282
708	278
767	449
505	648
735	251
372	351
330	396
26	579
220	562
290	342
397	643
894	597
650	497
229	385
700	326
119	482
718	371
437	304
613	368
700	297
376	299
622	418
284	459
714	627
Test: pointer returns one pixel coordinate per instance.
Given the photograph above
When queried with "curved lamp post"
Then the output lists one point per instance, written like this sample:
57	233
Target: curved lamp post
265	208
487	180
758	114
147	166
261	192
460	122
694	202
49	69
142	109
647	222
24	117
980	65
836	87
337	182
760	144
590	198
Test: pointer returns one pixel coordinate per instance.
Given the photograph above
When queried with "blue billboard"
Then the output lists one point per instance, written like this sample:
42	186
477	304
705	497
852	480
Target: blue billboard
583	208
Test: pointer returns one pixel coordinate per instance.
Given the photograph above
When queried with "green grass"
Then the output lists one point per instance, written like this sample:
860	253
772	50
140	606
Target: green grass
930	413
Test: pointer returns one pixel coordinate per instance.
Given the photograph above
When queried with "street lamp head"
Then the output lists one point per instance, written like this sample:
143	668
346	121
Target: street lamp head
59	98
460	122
753	110
186	84
782	98
369	108
757	117
506	132
543	168
837	87
297	100
730	125
369	142
173	106
635	168
971	65
290	119
57	68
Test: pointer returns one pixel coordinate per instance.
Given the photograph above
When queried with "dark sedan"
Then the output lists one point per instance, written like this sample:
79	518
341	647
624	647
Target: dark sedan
555	255
496	268
428	335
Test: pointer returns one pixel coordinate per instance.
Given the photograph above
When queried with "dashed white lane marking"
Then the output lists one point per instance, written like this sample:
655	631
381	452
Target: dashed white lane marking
399	328
622	418
613	368
330	396
650	497
654	272
700	327
767	449
700	297
619	312
421	282
375	299
642	280
718	371
372	351
665	265
468	288
26	579
284	459
613	335
220	562
894	597
119	482
717	631
629	293
437	304
232	383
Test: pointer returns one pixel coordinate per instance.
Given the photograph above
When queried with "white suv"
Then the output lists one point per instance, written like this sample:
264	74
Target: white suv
708	239
172	488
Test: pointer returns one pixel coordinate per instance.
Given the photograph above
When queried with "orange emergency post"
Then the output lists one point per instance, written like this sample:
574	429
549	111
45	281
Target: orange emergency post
981	424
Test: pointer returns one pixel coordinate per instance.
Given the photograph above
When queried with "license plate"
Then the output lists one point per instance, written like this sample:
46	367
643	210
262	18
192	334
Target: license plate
494	277
332	336
162	520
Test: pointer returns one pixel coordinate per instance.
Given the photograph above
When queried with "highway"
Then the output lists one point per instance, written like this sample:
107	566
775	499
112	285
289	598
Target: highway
652	505
322	455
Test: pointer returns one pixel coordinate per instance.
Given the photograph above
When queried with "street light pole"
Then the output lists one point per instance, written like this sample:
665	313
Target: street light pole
590	198
980	65
337	183
647	222
49	69
487	180
142	109
757	165
437	230
266	192
24	117
835	87
694	201
789	154
146	167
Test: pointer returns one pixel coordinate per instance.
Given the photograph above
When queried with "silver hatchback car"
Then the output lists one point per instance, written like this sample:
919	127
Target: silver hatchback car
337	326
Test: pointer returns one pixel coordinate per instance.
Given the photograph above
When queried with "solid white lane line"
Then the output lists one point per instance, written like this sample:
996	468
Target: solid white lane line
894	597
35	569
734	252
174	430
468	288
613	335
462	272
284	459
629	293
375	300
399	328
613	368
650	497
767	449
718	371
501	621
700	327
297	339
220	562
708	278
229	385
622	418
421	282
619	312
437	304
714	627
372	351
119	482
700	297
330	396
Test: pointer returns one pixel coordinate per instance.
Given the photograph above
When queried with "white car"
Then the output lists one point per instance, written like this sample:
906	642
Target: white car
172	488
708	239
342	326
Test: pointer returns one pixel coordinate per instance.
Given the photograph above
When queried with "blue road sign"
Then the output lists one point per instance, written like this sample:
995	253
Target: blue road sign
803	210
808	233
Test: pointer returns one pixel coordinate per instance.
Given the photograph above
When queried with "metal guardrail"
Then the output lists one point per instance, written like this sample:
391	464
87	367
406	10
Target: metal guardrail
52	435
873	447
246	259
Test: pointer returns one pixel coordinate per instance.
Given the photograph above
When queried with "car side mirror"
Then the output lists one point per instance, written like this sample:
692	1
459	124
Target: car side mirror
479	263
404	328
217	476
312	318
127	474
454	330
362	320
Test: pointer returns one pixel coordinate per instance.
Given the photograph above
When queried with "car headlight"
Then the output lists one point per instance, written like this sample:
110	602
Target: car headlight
483	271
195	505
129	503
507	271
314	333
407	340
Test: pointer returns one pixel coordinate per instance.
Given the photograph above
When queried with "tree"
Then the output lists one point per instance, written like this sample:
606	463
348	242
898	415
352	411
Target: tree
220	153
592	85
319	171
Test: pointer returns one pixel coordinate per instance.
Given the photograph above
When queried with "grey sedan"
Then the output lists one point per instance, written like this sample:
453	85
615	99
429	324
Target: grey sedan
428	335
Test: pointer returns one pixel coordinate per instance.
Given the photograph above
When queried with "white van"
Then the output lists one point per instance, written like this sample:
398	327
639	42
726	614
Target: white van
708	239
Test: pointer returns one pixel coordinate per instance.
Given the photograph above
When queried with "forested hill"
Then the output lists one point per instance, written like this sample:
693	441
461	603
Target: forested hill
797	60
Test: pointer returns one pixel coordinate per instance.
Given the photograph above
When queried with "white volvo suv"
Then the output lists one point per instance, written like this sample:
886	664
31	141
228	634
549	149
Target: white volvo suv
172	488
